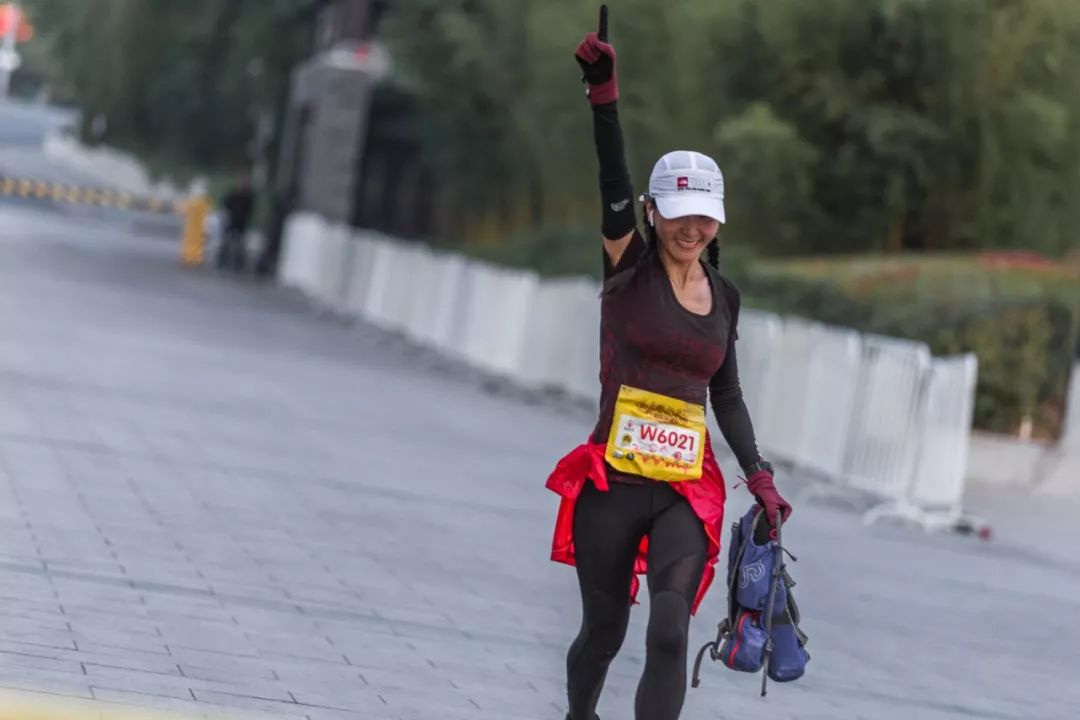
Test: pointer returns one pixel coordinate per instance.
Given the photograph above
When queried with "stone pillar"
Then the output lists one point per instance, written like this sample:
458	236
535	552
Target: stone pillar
332	93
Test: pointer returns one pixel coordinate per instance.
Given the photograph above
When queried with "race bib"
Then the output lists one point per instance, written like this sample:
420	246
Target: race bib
656	436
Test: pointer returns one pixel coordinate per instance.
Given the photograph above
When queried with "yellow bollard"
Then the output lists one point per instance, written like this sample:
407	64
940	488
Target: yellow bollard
193	239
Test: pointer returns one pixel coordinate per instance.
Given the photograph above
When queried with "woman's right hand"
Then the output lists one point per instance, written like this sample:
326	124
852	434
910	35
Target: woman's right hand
597	60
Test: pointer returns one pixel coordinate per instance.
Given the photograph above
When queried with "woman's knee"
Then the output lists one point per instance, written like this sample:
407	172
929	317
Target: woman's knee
603	628
669	620
606	635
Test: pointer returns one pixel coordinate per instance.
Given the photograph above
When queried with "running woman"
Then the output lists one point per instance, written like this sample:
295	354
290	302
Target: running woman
644	494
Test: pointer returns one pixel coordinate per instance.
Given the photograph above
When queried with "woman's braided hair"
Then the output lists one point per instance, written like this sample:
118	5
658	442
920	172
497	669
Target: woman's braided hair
713	253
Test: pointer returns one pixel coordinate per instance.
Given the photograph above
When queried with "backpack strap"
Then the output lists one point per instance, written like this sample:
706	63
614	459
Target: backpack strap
777	578
793	613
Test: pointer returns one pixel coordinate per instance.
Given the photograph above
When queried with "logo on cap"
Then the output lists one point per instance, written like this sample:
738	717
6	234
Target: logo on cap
693	182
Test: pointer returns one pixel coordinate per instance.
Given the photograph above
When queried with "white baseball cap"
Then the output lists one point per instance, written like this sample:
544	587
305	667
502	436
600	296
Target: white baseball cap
684	182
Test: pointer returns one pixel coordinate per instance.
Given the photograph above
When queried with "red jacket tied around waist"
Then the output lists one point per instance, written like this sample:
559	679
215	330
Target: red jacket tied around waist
586	462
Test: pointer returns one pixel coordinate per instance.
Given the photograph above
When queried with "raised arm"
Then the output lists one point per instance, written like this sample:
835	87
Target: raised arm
597	60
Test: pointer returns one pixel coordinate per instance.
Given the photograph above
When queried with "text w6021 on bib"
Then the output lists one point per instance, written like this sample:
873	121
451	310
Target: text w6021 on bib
656	436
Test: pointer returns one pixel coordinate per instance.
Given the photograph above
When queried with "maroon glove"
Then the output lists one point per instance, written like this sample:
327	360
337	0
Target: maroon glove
762	487
597	60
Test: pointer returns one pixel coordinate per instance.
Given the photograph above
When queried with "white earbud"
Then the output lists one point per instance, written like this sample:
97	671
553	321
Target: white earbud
651	221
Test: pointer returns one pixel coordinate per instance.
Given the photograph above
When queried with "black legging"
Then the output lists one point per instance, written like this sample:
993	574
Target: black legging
608	527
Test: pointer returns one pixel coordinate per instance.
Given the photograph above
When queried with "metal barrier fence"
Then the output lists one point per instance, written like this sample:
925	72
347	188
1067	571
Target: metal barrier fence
859	415
101	196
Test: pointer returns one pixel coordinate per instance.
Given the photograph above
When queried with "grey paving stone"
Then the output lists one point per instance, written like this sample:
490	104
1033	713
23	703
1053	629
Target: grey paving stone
176	684
43	635
223	638
211	615
159	684
251	702
31	584
239	671
304	675
318	713
225	712
139	635
23	617
51	680
124	648
93	588
226	662
37	648
127	620
296	645
144	663
42	661
186	707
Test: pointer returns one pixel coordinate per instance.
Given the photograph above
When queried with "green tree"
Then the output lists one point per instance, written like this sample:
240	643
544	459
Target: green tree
179	83
768	170
910	124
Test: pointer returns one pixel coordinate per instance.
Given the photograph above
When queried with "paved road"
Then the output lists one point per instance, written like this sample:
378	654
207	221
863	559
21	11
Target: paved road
214	503
25	124
23	130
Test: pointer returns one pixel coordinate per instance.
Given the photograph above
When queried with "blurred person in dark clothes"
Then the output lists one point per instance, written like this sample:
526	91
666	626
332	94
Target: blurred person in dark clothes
239	203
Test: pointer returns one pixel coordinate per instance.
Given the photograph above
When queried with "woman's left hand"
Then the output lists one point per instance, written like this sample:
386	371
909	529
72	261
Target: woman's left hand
763	488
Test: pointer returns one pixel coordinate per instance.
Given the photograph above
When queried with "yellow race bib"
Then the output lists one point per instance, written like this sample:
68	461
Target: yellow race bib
656	436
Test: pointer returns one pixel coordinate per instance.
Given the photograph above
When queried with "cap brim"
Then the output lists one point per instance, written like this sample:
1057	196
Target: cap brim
677	206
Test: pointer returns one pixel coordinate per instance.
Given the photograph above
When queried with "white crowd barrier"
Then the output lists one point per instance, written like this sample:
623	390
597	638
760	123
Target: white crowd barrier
881	449
1064	471
758	348
834	359
1071	430
784	386
938	482
862	415
333	267
301	253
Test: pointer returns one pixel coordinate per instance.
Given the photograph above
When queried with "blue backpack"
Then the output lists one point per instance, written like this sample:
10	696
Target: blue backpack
761	630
